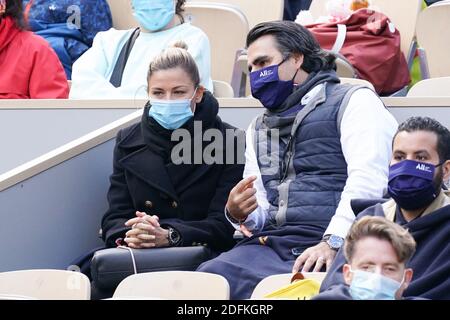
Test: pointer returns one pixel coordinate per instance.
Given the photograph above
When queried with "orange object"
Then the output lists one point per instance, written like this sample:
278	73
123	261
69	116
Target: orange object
359	4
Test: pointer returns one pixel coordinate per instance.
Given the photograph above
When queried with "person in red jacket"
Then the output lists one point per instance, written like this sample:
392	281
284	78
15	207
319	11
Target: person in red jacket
29	68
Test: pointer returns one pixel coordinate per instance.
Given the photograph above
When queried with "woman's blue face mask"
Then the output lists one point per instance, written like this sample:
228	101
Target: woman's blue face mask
153	15
171	114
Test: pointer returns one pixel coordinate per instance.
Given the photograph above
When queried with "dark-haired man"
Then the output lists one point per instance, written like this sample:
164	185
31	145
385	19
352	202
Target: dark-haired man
318	145
420	165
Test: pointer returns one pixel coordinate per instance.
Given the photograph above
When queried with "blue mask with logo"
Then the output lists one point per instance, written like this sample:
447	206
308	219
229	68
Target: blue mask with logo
268	88
171	114
153	15
411	184
372	286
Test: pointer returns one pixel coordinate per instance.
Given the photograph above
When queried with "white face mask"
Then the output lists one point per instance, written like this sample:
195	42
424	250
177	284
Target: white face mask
373	286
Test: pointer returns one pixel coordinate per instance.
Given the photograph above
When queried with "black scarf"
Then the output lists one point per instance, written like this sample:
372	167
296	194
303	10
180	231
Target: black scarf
158	138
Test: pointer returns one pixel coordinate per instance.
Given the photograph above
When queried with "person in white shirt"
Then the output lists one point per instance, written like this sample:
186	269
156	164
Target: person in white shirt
161	24
319	145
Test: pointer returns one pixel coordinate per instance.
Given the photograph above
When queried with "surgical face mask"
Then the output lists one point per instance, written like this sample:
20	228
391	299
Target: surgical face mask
153	15
411	184
171	114
373	286
268	88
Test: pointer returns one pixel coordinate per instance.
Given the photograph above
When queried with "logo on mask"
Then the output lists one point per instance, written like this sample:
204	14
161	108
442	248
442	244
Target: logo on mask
423	167
265	73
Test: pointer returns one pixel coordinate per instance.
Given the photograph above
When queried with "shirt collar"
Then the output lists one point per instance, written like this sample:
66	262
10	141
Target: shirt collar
311	94
442	200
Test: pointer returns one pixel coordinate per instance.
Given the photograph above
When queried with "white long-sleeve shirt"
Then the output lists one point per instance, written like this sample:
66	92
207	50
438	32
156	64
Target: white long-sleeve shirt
367	129
92	71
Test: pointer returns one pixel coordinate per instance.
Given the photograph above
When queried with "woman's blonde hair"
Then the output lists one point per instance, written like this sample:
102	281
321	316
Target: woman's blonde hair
176	56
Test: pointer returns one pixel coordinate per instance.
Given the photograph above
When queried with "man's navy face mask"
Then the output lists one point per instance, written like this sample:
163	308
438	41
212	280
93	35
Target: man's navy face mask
268	88
411	184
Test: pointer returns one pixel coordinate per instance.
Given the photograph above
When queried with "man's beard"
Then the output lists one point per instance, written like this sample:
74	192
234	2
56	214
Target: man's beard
438	180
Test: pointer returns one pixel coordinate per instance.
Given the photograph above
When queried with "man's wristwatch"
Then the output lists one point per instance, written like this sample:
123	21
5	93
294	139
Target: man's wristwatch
333	241
173	237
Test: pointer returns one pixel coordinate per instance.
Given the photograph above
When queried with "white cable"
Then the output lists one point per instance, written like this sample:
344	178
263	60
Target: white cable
132	257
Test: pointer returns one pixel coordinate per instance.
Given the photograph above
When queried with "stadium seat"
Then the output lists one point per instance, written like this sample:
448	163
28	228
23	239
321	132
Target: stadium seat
344	69
174	285
275	282
434	87
15	297
219	22
440	2
433	41
222	89
122	14
266	10
44	284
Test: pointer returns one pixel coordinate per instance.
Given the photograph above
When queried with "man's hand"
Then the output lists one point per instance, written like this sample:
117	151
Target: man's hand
242	200
320	255
145	232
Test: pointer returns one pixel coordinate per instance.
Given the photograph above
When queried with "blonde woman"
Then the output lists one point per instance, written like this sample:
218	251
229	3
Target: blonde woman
154	200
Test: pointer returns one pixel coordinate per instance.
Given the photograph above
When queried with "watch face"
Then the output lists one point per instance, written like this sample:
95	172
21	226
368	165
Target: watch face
335	242
174	236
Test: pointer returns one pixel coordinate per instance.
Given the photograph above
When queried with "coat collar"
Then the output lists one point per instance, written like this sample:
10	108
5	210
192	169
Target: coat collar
133	139
150	168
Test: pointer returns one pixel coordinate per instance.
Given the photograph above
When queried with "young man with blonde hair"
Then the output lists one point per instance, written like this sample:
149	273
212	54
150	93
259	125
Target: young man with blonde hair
376	251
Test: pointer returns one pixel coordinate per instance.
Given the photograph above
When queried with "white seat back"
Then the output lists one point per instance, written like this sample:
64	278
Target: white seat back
256	11
222	89
432	27
226	28
174	285
122	14
434	87
44	284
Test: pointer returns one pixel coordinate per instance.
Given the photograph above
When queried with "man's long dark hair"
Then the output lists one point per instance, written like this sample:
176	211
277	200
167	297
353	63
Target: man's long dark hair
292	38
